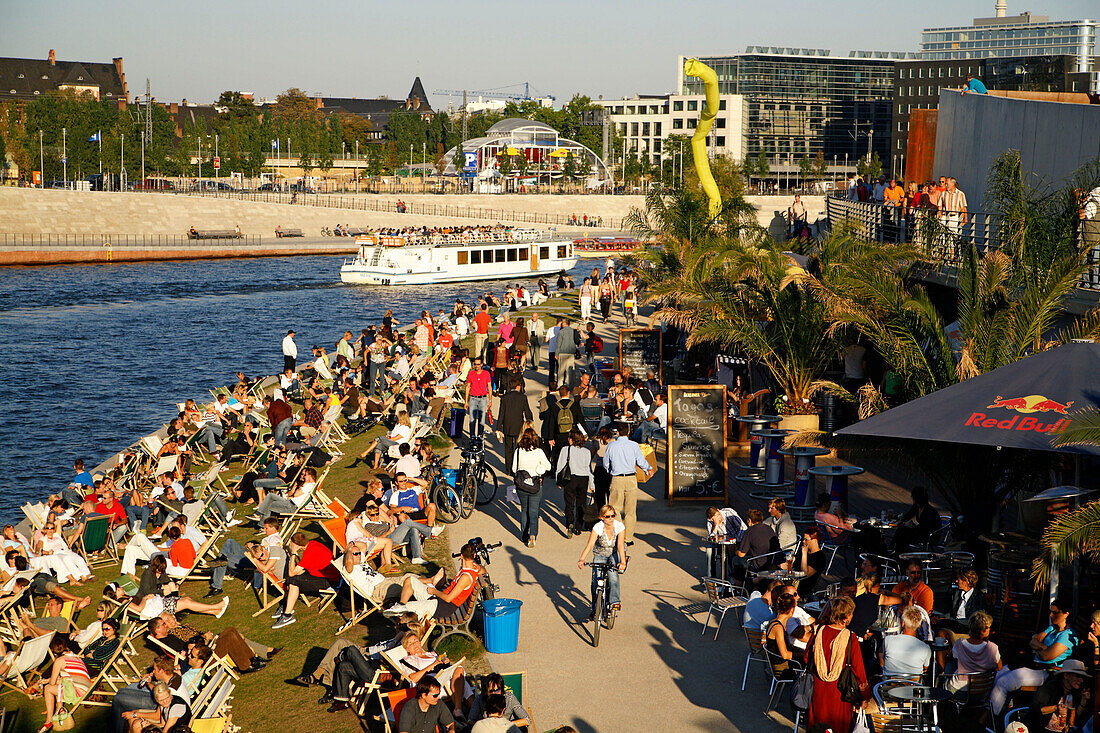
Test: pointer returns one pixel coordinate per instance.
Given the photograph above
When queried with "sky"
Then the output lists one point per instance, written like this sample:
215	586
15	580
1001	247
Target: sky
196	49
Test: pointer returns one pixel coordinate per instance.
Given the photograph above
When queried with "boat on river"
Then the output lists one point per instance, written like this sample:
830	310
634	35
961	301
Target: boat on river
496	254
603	246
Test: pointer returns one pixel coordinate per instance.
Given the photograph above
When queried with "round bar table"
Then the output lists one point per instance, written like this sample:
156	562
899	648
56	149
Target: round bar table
836	482
757	459
804	458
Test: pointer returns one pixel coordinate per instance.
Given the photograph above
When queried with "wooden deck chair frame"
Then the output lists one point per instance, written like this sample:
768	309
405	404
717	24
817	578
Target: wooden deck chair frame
212	697
106	680
37	519
389	656
102	541
30	657
199	570
9	616
368	606
391	702
512	680
316	507
268	580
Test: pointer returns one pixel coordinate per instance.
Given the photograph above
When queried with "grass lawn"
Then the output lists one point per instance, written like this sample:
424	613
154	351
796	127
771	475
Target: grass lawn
262	700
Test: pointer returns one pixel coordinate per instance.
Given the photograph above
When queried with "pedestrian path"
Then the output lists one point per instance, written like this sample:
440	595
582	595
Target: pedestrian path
653	671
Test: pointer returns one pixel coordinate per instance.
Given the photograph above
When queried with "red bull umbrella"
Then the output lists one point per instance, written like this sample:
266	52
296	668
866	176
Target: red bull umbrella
1021	405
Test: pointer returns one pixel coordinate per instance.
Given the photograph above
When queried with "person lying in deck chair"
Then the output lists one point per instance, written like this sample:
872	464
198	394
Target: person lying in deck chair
158	593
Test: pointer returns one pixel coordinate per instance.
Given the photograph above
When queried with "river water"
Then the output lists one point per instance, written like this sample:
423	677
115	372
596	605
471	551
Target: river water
95	356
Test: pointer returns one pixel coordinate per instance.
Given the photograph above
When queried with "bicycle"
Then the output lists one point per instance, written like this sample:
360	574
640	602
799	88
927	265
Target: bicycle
476	478
605	612
326	232
481	554
447	499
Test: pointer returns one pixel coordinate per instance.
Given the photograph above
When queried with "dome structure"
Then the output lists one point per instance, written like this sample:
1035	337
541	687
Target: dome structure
528	152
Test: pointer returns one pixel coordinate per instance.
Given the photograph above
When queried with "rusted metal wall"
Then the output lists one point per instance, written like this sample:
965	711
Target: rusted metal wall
921	153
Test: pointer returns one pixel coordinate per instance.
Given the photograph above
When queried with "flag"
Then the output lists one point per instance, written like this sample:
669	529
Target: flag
94	138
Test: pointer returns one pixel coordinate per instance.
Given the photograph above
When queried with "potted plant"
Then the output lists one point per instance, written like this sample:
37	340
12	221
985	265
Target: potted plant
797	414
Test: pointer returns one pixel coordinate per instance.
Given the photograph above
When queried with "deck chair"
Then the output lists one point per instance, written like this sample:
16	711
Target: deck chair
269	582
517	683
31	656
315	507
35	513
367	607
97	544
110	679
199	570
10	609
392	702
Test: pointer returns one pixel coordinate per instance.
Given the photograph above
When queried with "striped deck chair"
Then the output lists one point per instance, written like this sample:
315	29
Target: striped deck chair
210	702
10	608
32	654
35	513
96	543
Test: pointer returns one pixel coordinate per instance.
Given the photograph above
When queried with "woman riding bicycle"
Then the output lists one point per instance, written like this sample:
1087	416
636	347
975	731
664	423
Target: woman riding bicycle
607	540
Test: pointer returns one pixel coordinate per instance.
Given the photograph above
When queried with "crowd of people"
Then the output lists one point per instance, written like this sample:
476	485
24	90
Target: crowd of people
909	206
897	618
584	220
169	524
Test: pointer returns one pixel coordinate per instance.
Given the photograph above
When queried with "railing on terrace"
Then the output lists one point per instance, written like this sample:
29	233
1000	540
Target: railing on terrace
940	235
38	241
354	203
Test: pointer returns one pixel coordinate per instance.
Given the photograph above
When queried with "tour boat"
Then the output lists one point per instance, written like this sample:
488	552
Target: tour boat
601	246
462	257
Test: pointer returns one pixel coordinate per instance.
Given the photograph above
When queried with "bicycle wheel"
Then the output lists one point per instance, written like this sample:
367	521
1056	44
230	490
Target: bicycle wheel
488	590
611	614
599	617
469	495
486	482
448	503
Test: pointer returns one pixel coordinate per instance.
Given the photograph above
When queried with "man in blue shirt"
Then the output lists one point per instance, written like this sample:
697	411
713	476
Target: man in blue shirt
404	498
620	459
83	477
974	86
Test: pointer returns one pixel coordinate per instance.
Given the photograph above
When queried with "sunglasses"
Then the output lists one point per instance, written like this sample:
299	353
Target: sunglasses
356	554
608	516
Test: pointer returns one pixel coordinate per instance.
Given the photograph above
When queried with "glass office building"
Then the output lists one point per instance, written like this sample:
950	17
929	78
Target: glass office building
1012	37
801	102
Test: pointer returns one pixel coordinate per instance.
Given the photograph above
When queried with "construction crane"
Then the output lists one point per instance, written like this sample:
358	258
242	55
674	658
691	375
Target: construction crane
500	93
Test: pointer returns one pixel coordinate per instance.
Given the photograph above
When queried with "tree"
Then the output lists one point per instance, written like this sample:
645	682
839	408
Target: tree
354	129
439	160
805	167
819	168
870	170
459	161
234	105
294	105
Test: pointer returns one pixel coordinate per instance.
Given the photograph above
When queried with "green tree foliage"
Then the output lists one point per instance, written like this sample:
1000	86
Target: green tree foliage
294	105
870	169
236	106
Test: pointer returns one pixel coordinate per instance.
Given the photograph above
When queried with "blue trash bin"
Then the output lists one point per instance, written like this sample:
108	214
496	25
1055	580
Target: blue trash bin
501	625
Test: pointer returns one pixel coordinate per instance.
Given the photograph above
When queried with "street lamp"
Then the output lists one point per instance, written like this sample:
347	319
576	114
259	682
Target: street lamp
357	166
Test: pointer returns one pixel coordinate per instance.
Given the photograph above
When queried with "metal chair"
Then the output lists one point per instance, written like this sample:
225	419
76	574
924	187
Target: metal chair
779	683
975	696
1016	714
756	652
843	541
720	603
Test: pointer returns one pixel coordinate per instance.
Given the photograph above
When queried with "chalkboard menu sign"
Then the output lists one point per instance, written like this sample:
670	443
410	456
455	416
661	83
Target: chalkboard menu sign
640	349
696	442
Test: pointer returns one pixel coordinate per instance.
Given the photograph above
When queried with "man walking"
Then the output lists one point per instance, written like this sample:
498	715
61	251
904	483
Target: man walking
552	344
478	384
566	343
515	410
537	329
561	416
290	351
481	330
621	457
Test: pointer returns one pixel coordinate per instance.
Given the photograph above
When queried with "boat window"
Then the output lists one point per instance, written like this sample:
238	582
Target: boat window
463	257
561	251
487	256
501	254
544	253
523	253
475	257
512	254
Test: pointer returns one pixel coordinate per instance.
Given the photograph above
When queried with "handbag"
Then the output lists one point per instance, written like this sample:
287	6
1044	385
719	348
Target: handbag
847	683
565	475
802	689
526	483
861	723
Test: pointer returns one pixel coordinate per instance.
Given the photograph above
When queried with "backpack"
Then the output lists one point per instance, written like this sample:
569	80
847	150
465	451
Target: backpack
565	417
526	483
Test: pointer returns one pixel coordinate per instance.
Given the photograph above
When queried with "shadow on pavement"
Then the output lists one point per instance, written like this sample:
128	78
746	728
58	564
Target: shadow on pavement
570	602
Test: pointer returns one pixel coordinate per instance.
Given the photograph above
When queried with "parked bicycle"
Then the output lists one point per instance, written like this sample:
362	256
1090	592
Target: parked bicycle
326	232
605	610
481	554
447	498
476	479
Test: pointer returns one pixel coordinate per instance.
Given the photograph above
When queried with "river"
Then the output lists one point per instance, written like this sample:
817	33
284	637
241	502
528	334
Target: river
95	356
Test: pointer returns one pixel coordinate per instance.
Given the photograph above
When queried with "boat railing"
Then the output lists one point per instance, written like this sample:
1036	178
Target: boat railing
496	236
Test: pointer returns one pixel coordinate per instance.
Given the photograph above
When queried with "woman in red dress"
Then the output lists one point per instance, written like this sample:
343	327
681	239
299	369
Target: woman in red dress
833	648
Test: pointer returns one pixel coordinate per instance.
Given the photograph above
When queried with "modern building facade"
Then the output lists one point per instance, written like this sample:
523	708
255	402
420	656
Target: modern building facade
1012	37
646	120
801	102
917	86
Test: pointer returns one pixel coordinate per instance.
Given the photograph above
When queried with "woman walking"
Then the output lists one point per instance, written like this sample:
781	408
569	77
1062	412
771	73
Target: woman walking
832	650
580	482
529	464
521	341
584	295
607	294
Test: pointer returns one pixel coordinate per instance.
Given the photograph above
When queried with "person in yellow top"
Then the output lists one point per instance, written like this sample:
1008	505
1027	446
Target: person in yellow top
894	200
895	194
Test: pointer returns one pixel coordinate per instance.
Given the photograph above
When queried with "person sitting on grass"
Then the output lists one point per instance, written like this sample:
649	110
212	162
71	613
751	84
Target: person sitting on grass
313	573
68	680
158	593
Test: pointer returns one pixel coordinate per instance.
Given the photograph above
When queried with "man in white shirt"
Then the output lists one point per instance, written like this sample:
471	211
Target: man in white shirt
290	351
407	463
655	425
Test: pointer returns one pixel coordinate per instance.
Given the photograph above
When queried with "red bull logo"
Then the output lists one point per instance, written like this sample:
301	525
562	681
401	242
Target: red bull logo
1028	405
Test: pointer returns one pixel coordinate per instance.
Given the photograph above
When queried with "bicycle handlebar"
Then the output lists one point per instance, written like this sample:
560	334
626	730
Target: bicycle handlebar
480	547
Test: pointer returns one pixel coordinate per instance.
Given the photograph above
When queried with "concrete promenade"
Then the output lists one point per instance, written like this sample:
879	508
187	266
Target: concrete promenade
653	671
